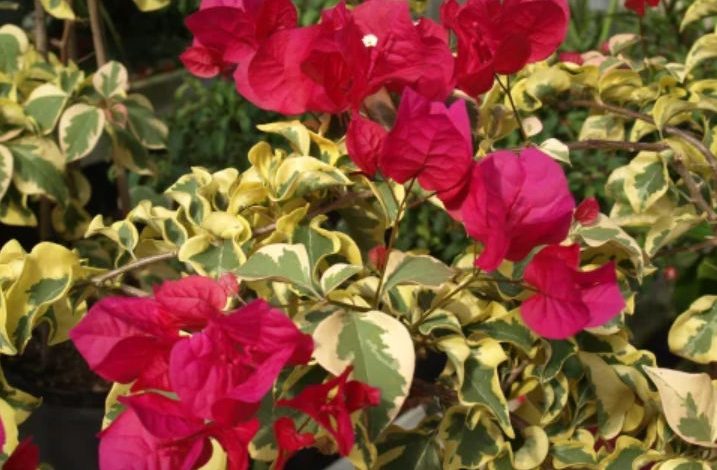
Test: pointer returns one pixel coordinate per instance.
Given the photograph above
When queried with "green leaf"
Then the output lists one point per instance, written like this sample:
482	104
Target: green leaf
534	449
689	403
698	10
151	5
35	172
297	176
80	130
572	454
111	80
336	275
294	131
319	242
556	149
693	335
669	228
281	262
210	257
704	48
667	108
11	48
6	168
506	329
381	351
481	385
682	463
61	9
614	398
646	180
45	105
424	270
150	131
602	127
469	442
402	450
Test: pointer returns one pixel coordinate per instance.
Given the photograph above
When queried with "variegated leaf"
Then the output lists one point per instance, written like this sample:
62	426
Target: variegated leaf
470	441
689	402
381	351
38	166
416	450
336	275
80	128
44	105
61	9
111	80
6	168
424	270
151	5
646	180
481	385
698	10
282	262
693	335
702	49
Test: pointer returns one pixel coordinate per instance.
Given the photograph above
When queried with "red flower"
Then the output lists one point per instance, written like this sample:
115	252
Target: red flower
319	68
26	456
433	143
567	299
502	37
289	440
364	142
157	432
515	204
638	6
587	211
405	53
127	339
192	301
224	371
202	61
377	256
571	56
330	404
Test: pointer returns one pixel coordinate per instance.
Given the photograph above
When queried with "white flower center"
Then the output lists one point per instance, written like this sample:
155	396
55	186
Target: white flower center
370	40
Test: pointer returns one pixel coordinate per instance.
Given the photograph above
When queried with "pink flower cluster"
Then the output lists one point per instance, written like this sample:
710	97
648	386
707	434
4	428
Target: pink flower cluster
352	53
219	366
513	203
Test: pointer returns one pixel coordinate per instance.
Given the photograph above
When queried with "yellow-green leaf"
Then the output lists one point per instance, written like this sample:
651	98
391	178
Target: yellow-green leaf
693	335
111	80
6	166
381	351
667	108
80	129
45	105
689	402
698	10
152	5
704	48
646	180
61	9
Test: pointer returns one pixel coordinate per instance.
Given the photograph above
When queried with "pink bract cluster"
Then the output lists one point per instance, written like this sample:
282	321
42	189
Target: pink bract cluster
514	203
199	373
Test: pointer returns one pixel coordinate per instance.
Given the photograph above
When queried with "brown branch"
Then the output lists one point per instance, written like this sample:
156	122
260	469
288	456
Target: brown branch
340	203
98	42
597	144
694	190
140	263
709	245
40	29
689	137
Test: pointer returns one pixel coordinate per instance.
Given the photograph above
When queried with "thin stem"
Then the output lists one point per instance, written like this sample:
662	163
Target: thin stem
709	245
447	298
96	28
345	201
694	190
391	242
598	144
140	263
40	29
506	88
689	137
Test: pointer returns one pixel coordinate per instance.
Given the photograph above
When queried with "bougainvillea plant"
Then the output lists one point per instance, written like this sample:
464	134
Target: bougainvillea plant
270	311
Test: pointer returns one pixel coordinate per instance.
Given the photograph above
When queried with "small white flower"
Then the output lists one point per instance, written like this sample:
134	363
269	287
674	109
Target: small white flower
370	40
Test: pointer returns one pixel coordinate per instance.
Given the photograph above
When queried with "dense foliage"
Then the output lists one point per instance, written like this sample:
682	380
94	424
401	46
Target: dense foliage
277	306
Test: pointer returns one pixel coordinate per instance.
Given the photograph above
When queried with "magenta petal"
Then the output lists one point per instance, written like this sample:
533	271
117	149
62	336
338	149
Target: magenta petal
201	61
119	337
364	141
554	318
192	300
162	417
601	294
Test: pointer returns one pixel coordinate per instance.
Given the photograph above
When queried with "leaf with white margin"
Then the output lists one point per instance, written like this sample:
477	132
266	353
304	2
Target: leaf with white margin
111	80
693	335
80	129
294	131
689	402
614	398
45	104
6	166
702	49
61	9
646	180
698	10
380	349
557	150
336	275
281	262
404	268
